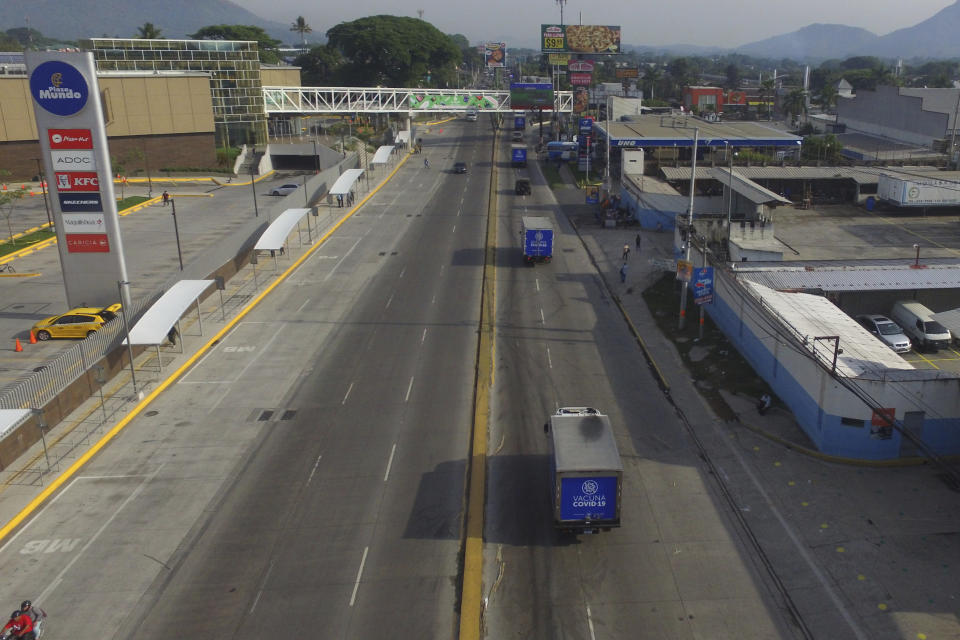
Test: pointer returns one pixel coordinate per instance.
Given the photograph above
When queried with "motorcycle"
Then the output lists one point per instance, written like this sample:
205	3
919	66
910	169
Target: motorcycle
38	626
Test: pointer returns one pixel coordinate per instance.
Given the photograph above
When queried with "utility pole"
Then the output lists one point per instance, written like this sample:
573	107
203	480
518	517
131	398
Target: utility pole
689	234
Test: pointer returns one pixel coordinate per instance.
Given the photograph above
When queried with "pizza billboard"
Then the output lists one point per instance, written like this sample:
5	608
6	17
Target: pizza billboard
579	38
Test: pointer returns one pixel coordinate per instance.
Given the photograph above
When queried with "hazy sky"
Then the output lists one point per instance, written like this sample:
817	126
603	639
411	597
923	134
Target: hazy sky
726	23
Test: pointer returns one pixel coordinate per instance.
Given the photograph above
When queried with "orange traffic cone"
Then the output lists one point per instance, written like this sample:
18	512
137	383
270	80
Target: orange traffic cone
33	338
17	347
4	186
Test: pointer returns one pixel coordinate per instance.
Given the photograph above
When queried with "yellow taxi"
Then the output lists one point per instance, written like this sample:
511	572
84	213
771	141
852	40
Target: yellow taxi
76	323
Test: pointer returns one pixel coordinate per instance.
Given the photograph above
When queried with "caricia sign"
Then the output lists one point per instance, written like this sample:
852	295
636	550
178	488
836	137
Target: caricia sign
59	88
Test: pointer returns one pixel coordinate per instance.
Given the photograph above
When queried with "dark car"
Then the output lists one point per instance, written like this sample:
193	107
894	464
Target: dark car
522	187
460	167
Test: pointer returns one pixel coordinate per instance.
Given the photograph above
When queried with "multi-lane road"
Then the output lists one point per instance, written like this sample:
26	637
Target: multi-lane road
307	477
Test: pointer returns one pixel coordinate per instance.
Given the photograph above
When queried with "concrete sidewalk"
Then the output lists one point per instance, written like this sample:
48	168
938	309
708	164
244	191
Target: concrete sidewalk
859	548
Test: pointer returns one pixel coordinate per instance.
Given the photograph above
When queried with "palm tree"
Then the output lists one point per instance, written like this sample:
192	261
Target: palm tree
796	102
149	32
652	77
828	96
301	27
766	91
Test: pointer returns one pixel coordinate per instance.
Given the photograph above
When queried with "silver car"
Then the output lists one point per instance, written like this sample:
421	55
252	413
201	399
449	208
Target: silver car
284	190
888	331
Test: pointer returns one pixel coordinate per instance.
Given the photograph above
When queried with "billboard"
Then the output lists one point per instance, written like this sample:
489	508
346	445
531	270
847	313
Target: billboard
558	59
495	54
579	38
529	95
581	100
580	79
628	73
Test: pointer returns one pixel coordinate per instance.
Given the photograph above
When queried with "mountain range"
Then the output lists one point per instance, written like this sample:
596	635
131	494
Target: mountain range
935	37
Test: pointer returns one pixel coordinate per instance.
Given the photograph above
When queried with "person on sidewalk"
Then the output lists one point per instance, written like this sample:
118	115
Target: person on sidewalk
166	198
626	253
623	272
638	243
764	405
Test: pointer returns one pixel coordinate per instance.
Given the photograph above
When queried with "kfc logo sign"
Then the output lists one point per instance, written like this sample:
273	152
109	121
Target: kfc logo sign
70	139
78	181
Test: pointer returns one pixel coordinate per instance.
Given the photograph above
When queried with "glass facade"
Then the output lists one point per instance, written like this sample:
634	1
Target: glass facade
234	68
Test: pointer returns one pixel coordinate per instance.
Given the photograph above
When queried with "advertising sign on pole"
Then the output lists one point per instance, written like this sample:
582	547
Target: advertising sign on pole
558	59
703	285
579	38
495	54
684	270
593	193
530	95
580	79
73	144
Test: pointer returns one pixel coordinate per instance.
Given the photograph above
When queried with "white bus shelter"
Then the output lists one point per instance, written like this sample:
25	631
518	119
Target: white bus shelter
155	325
345	182
382	156
10	419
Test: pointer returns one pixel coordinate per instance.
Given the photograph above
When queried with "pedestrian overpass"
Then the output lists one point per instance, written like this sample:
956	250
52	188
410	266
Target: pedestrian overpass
323	100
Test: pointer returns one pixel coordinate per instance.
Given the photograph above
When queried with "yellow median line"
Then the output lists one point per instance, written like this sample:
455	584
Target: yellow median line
472	589
430	124
120	426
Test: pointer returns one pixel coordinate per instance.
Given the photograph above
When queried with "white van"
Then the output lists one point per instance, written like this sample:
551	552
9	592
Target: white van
918	323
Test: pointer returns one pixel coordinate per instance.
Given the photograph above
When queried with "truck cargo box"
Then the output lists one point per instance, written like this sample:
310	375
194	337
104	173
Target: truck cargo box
587	471
537	239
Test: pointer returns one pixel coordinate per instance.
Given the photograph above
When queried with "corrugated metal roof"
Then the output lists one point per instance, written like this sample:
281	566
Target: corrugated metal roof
893	275
810	316
678	131
861	175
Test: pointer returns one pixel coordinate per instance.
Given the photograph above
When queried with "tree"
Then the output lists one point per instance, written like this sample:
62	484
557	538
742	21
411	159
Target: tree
149	32
652	78
682	74
394	51
266	46
8	202
300	26
319	66
766	92
733	76
795	103
828	96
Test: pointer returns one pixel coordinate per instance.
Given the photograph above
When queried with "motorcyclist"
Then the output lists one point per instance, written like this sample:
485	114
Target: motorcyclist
35	613
20	626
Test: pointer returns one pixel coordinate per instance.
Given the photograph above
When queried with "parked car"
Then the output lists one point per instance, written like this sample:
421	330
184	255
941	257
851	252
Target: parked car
918	323
284	189
459	167
76	323
887	331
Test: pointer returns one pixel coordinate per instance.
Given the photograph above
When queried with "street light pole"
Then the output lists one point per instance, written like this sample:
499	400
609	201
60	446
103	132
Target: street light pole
253	185
689	234
176	231
729	195
122	287
43	187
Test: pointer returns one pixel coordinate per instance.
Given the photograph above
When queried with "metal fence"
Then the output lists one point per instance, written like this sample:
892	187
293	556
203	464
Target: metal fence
37	389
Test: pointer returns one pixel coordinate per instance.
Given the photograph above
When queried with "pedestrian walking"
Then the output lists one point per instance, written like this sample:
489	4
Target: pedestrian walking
626	253
623	272
172	335
426	163
340	200
638	243
764	404
166	198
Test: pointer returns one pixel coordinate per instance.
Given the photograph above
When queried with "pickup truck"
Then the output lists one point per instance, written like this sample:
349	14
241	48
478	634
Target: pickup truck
586	471
537	239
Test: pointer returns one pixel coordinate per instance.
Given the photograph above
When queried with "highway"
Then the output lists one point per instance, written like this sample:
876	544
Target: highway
306	478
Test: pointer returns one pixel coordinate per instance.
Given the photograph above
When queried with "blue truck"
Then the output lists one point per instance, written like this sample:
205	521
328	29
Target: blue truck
518	155
587	474
537	239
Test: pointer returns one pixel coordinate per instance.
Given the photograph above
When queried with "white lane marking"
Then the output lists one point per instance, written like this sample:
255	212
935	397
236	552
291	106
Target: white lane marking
265	349
801	547
454	229
424	336
363	560
262	586
434	299
347	394
43	597
340	261
593	636
549	359
459	211
542	320
441	269
314	470
537	280
210	353
403	271
305	303
390	462
389	301
409	387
